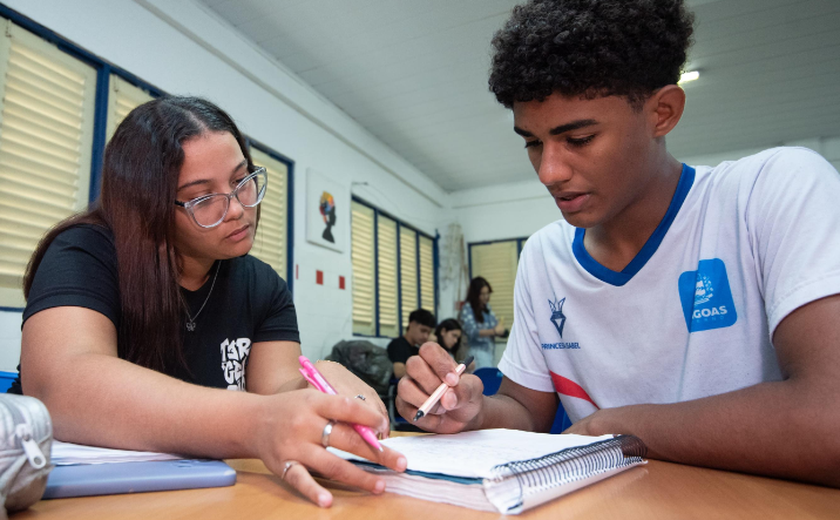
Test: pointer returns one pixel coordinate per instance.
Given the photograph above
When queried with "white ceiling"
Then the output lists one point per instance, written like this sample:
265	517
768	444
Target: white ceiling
414	74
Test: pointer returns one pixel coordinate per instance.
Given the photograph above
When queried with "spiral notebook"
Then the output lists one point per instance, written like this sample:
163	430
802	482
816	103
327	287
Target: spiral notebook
506	471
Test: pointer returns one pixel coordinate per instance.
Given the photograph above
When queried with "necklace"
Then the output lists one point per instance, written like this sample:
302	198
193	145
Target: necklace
191	319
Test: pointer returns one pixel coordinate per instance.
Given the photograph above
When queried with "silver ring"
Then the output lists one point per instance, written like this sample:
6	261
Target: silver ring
360	396
286	467
325	435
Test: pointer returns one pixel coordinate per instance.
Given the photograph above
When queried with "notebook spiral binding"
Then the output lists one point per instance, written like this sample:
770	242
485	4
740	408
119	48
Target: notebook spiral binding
514	481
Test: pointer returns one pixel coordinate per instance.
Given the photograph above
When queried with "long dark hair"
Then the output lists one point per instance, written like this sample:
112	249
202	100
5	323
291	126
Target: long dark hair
137	203
473	297
445	326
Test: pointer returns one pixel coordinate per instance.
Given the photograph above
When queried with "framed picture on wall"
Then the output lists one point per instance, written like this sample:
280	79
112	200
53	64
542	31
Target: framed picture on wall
327	211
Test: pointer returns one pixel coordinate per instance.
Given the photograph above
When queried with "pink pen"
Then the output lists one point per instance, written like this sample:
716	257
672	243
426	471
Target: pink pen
313	376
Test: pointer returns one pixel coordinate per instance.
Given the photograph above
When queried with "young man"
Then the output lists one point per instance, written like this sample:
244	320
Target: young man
694	308
420	324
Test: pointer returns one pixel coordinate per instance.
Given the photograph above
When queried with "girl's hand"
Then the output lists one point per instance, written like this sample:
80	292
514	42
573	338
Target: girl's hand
288	439
346	383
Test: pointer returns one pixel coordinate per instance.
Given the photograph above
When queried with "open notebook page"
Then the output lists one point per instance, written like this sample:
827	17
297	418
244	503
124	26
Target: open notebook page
474	454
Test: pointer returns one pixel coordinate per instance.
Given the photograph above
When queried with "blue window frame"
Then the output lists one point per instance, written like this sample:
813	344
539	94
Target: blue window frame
104	70
520	243
290	204
435	265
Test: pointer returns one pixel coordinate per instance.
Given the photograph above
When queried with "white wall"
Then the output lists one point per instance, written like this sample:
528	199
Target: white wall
198	55
499	212
504	211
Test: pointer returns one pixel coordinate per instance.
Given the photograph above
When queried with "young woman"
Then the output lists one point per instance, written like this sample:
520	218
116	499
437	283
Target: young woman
480	324
448	335
144	312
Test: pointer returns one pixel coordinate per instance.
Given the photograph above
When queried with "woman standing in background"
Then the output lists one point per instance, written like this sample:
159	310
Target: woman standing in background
480	324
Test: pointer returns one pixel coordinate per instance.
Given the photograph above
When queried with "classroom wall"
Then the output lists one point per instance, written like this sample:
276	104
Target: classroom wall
182	49
490	213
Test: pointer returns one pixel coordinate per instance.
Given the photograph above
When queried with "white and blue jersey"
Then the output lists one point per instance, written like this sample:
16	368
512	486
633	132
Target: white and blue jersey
741	246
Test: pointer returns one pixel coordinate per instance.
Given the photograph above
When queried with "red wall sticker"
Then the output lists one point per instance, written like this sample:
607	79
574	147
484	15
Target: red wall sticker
319	277
341	282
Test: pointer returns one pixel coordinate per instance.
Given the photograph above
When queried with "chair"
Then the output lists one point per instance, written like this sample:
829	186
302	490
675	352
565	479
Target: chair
561	420
6	380
492	379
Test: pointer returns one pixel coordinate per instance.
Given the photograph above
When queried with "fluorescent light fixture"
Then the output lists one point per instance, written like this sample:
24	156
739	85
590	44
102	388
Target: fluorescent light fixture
690	75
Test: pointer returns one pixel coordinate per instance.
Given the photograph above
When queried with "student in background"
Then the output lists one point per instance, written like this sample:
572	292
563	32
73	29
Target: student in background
695	308
448	335
420	324
480	324
146	319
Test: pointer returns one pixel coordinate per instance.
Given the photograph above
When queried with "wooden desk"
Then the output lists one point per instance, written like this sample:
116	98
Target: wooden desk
658	490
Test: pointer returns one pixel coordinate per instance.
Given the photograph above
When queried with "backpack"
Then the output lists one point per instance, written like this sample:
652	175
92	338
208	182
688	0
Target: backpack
369	362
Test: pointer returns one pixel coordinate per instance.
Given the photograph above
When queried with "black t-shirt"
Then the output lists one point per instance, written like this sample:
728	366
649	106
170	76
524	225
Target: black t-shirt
249	303
399	350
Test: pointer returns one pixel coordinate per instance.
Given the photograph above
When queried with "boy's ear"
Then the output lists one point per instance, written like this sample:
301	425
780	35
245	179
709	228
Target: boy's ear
665	108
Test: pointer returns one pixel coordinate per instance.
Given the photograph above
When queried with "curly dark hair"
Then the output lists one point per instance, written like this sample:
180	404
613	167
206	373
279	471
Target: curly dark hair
590	48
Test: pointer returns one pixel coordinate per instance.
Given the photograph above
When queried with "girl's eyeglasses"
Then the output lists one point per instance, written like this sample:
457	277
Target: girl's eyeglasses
209	211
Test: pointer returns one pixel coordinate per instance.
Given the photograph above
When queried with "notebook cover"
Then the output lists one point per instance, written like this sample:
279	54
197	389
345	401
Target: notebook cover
137	477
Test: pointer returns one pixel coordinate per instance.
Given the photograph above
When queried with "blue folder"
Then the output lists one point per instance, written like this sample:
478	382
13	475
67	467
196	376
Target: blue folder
137	477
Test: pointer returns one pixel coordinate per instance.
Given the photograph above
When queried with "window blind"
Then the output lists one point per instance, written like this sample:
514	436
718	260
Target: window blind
386	241
123	98
362	251
271	243
408	273
497	263
427	274
46	138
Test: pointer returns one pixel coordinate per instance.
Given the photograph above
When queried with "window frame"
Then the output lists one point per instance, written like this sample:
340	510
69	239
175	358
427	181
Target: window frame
290	203
104	70
520	243
435	265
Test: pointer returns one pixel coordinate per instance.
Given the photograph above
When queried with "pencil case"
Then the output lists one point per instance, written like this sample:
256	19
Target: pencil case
25	443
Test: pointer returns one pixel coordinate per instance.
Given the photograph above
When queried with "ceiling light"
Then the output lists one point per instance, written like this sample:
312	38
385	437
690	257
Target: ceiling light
690	75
